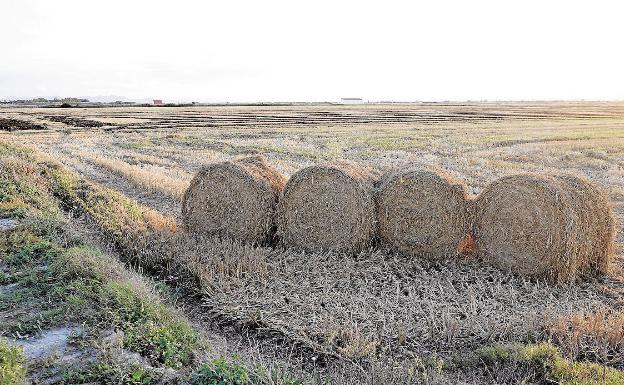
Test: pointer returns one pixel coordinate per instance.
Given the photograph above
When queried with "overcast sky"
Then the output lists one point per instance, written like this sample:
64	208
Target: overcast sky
317	50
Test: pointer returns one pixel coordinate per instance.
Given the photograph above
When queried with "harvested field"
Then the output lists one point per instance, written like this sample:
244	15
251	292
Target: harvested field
378	311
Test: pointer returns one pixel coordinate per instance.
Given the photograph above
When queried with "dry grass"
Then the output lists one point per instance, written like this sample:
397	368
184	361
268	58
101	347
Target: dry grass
597	336
150	177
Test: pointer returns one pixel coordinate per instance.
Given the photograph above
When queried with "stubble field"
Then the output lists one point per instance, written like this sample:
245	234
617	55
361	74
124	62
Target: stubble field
334	318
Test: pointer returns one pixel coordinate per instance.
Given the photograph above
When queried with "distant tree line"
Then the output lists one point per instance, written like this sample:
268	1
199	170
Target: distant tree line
47	101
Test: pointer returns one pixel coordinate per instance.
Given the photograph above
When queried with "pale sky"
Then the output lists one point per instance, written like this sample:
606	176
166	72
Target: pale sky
313	50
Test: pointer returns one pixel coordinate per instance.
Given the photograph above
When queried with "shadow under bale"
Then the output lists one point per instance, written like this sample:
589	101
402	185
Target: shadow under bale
235	200
329	208
557	226
7	124
421	212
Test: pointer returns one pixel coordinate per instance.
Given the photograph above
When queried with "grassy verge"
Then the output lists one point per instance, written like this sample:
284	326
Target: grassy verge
56	279
543	364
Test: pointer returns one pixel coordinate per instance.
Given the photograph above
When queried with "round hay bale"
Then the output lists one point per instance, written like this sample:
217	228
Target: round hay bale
328	208
421	212
235	200
521	224
542	225
594	238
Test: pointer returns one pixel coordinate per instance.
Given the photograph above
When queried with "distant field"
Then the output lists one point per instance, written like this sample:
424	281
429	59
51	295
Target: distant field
161	148
377	311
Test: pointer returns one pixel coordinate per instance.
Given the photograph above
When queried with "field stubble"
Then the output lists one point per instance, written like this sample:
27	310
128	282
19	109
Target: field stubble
376	304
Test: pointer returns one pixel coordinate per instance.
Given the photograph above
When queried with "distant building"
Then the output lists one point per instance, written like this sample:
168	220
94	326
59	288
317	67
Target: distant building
158	102
351	101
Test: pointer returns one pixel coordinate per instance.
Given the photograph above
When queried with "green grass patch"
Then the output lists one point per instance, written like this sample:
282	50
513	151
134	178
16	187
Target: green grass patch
8	149
224	372
149	329
23	189
12	370
220	372
74	286
544	364
138	144
106	373
296	152
394	143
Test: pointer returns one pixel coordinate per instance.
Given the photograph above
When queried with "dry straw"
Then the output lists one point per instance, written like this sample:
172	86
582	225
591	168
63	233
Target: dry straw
328	207
595	224
422	212
234	200
557	226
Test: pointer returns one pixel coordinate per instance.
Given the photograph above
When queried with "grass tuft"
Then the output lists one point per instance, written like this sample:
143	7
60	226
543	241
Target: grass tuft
220	372
12	370
543	364
229	372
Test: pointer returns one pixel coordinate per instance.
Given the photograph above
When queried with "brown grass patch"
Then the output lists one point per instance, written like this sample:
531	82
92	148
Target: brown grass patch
596	336
149	177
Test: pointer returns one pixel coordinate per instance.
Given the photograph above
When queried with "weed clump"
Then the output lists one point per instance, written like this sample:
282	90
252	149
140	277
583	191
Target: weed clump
543	364
12	370
220	372
229	372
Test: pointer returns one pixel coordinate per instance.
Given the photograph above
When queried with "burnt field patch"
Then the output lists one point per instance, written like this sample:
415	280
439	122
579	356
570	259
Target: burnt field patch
8	124
75	122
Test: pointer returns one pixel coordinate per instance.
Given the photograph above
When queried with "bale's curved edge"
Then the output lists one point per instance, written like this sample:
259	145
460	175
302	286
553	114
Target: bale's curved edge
235	199
594	240
423	212
554	225
328	208
521	225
